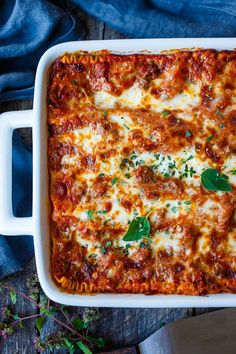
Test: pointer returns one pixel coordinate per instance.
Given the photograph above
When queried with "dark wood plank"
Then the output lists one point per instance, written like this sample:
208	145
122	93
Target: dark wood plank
21	340
128	327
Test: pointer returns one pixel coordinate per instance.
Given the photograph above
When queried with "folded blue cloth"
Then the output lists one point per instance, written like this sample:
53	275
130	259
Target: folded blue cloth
166	18
29	27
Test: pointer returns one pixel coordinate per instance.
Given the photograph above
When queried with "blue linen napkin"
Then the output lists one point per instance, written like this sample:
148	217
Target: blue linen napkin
29	27
166	18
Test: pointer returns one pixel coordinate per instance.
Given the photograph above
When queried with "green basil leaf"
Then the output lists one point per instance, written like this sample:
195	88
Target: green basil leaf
138	228
212	180
39	322
83	348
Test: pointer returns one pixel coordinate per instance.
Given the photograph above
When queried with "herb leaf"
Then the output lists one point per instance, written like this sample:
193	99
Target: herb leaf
165	113
188	134
212	180
138	228
89	214
39	322
13	297
78	323
83	348
114	180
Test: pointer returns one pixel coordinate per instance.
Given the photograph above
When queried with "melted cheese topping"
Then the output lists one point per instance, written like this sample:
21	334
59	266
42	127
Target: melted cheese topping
130	138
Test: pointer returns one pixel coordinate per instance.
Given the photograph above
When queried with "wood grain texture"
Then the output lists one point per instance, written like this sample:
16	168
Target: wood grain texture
119	327
22	340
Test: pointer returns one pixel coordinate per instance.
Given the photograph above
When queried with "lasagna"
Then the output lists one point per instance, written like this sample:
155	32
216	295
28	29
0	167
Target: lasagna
141	156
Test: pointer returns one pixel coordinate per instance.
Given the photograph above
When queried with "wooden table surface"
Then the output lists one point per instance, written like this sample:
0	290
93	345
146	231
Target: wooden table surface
119	327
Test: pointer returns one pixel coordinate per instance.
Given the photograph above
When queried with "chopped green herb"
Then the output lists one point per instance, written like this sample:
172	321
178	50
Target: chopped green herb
187	202
126	126
102	211
105	113
138	228
140	162
114	180
219	114
175	209
222	126
166	175
210	87
126	163
192	171
101	175
172	165
92	255
210	138
212	180
165	113
167	232
89	214
108	244
179	203
145	244
189	158
188	134
127	175
74	82
233	172
103	250
168	205
106	221
195	115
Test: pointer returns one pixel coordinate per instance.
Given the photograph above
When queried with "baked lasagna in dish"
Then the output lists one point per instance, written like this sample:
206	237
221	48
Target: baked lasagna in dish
141	156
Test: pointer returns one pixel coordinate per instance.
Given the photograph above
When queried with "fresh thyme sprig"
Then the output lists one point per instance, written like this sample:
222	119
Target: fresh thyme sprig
74	335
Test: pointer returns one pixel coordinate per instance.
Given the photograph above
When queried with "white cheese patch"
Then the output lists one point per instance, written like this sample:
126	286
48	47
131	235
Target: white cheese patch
169	240
69	160
87	139
129	98
185	100
136	97
230	169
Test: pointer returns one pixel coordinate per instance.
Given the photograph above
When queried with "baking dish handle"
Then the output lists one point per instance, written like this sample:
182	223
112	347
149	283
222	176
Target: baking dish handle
9	224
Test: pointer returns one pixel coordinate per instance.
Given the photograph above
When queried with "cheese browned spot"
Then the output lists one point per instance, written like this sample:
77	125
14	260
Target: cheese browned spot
129	136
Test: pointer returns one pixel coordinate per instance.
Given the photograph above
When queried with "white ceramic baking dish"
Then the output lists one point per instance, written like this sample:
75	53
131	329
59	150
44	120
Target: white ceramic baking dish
38	224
